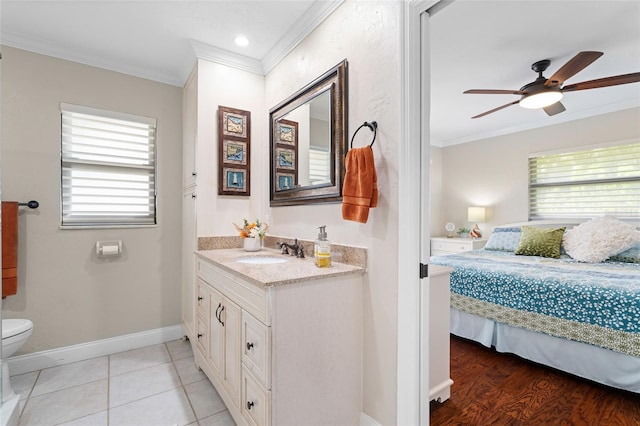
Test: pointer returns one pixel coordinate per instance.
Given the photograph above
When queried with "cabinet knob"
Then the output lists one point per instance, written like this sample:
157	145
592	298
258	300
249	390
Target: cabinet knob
249	346
200	335
199	298
193	195
194	174
249	405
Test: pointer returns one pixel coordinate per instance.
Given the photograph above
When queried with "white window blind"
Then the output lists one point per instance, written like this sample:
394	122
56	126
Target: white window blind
108	168
319	165
584	184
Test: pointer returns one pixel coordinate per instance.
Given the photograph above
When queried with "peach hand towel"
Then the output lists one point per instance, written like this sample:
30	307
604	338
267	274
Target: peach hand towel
360	191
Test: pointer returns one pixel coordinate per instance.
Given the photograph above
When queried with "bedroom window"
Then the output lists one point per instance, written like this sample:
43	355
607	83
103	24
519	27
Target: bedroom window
108	169
584	184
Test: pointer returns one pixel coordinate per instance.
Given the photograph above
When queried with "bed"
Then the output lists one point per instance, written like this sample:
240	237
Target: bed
576	316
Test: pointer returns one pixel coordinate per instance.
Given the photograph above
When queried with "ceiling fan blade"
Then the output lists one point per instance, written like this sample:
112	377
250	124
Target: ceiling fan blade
573	67
604	82
496	109
554	109
493	92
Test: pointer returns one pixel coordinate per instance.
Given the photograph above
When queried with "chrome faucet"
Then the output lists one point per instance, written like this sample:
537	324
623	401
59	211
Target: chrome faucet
296	249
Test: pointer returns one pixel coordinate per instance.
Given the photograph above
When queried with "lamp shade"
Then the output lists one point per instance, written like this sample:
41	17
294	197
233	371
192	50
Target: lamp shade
476	214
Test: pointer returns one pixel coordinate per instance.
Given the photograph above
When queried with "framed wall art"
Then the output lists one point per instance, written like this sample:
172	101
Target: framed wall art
234	181
286	158
286	154
234	153
285	181
287	132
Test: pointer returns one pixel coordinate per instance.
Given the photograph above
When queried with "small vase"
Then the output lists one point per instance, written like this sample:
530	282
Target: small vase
252	244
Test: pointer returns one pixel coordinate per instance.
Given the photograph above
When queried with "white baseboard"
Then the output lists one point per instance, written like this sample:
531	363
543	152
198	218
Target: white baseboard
10	411
54	357
367	421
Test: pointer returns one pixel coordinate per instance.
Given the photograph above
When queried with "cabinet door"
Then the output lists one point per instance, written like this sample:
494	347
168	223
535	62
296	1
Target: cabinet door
216	333
189	129
232	318
189	244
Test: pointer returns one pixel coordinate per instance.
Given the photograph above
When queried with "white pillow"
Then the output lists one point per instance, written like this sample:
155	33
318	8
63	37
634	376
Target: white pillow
600	238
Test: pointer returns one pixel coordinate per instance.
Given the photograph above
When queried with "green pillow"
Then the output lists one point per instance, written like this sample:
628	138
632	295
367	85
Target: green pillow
543	242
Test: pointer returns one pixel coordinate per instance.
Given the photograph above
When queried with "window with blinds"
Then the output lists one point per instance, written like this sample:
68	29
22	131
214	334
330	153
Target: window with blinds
319	165
584	184
108	168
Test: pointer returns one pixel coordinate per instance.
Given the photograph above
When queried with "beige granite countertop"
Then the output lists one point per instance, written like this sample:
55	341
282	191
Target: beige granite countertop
293	271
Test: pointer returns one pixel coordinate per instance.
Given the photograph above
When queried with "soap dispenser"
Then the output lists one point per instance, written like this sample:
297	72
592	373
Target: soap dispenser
322	249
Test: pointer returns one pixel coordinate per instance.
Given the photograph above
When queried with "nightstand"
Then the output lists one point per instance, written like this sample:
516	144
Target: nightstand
444	245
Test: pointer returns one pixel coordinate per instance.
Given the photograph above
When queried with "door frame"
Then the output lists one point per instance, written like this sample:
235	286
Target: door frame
412	350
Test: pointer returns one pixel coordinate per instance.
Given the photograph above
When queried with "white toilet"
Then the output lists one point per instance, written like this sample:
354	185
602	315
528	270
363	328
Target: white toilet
15	333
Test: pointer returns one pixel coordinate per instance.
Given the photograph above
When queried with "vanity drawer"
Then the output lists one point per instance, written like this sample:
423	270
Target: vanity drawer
256	348
202	335
202	299
256	401
251	297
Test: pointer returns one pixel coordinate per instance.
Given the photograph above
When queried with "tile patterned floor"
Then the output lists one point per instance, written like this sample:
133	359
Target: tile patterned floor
156	385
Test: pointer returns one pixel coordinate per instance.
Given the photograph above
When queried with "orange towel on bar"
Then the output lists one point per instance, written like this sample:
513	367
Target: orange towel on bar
360	191
9	248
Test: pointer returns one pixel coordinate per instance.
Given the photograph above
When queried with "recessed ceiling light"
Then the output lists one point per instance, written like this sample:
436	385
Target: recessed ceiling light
242	41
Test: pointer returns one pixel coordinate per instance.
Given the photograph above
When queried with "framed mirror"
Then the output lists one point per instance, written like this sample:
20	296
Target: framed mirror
308	133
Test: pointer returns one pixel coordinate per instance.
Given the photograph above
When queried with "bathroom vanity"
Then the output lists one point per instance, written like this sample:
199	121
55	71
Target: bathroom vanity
281	342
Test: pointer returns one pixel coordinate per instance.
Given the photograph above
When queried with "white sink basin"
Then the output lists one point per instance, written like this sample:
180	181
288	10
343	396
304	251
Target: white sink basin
262	260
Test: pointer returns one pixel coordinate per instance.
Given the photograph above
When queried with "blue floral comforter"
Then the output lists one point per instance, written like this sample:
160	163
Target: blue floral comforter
592	303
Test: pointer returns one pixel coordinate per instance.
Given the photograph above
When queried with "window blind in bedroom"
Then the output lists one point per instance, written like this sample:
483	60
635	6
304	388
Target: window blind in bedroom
584	184
108	168
319	165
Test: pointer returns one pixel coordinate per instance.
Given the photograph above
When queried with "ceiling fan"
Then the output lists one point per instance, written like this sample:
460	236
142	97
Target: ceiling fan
546	93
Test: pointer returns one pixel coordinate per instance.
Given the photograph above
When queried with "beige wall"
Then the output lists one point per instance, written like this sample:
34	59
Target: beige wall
70	294
367	34
493	172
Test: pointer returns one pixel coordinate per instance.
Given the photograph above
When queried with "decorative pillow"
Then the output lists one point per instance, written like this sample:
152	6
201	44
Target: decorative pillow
504	239
631	255
543	242
599	239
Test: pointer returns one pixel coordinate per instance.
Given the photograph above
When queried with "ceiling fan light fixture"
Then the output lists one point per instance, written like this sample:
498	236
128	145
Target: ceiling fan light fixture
540	99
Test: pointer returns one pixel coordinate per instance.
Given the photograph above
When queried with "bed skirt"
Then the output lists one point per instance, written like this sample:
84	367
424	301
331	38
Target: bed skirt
601	365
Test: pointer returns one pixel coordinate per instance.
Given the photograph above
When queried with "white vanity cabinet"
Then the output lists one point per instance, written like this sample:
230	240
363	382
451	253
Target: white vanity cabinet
282	354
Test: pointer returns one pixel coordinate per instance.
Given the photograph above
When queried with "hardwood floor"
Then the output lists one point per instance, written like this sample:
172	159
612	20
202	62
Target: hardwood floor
491	388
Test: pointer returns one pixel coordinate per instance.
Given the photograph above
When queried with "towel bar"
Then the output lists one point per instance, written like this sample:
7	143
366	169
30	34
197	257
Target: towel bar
31	204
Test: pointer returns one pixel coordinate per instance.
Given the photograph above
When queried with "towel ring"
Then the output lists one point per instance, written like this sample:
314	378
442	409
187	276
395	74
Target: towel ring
373	126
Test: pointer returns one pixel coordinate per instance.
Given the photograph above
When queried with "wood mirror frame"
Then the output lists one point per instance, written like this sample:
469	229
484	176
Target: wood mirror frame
333	81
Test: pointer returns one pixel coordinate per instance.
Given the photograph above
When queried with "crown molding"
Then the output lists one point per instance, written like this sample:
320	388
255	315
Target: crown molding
49	48
225	57
558	119
314	16
317	13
